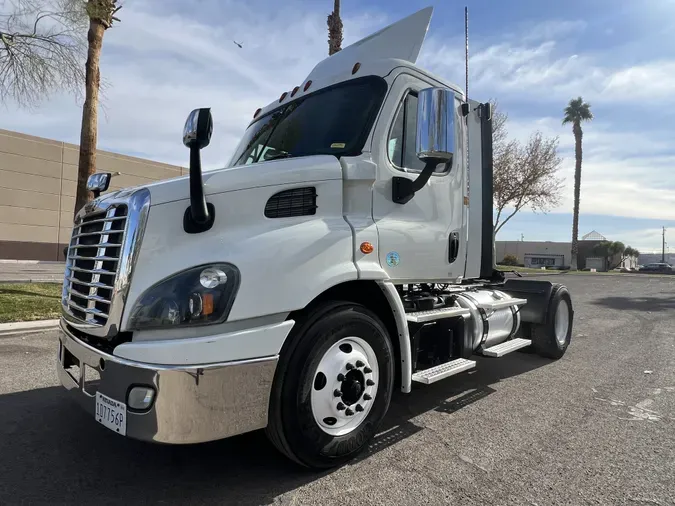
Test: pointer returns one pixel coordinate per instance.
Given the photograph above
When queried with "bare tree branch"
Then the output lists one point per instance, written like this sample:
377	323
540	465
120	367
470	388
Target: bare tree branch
42	49
524	175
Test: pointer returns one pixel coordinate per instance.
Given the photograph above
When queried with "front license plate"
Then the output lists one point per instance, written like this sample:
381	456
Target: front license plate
111	413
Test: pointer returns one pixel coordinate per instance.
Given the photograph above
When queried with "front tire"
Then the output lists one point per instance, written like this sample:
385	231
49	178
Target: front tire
552	338
332	386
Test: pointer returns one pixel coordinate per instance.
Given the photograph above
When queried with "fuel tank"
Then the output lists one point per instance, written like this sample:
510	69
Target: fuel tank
489	327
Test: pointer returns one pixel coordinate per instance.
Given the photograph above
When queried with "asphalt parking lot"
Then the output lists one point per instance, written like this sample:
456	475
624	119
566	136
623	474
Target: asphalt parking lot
596	427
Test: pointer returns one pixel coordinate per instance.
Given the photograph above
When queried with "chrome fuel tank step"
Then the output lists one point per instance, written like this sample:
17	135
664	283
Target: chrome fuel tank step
439	372
506	347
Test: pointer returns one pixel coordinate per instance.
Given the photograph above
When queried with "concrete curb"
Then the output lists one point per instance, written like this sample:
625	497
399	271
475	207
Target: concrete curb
30	262
10	329
32	280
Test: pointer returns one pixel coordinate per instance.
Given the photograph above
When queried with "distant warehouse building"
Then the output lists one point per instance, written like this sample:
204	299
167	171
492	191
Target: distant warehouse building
536	253
38	179
550	254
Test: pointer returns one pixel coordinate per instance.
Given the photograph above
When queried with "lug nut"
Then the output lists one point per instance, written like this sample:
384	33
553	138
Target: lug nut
341	377
337	393
349	366
349	412
359	363
367	370
359	407
340	406
367	397
370	382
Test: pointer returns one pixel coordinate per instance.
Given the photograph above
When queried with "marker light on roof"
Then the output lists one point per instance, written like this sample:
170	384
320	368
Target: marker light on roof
283	96
307	85
295	90
356	68
255	114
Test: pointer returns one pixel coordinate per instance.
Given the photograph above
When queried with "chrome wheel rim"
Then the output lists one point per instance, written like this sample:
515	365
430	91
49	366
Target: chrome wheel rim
562	322
344	386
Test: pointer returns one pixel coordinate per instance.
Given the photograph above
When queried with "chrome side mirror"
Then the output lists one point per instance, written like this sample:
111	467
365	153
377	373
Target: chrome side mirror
198	129
98	183
434	142
435	125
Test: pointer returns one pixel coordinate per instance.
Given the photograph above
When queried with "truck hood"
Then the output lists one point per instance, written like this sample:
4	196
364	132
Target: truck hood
272	173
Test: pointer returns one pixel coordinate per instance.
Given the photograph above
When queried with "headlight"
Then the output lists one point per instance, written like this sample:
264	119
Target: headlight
197	296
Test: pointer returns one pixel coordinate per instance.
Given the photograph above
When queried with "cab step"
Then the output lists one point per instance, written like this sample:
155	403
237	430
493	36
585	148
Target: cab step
439	372
506	347
437	314
501	304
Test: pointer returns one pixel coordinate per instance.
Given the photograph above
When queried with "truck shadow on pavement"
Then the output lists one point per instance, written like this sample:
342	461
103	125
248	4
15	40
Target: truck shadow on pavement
51	452
642	304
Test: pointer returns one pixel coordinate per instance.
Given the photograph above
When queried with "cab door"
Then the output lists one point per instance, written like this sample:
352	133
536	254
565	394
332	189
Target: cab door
423	239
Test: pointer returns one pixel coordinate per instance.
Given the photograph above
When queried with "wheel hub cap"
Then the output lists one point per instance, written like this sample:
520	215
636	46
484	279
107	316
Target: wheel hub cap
345	386
562	322
352	387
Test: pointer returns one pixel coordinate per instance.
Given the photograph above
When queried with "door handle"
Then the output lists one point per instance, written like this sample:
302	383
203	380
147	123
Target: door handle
454	247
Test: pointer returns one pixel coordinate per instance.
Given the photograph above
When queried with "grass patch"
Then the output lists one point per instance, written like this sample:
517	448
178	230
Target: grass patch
29	301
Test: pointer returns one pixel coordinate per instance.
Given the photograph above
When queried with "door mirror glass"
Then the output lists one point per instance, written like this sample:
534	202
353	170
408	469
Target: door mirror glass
99	182
198	129
435	138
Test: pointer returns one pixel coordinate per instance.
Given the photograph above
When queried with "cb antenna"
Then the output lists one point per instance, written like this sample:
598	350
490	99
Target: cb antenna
466	50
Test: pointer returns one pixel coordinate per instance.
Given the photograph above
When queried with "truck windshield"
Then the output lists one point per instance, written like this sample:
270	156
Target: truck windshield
333	121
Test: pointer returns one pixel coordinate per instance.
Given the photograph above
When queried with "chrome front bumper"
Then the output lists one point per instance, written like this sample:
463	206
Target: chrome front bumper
192	404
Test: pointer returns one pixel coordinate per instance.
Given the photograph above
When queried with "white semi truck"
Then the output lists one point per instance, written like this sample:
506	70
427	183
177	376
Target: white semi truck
346	251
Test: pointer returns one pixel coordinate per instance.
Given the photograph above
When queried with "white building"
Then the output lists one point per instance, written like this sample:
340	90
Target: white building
559	254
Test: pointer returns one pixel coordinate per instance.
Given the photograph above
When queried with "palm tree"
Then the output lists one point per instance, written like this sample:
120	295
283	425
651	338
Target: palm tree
334	30
576	112
101	15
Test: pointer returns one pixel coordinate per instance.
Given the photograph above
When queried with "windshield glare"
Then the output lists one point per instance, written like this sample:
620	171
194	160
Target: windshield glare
332	121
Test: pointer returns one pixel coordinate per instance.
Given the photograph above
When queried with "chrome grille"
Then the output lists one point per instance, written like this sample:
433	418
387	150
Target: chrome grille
103	249
93	258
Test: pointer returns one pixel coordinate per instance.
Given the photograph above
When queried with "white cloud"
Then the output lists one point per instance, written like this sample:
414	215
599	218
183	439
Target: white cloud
651	81
624	173
550	29
538	66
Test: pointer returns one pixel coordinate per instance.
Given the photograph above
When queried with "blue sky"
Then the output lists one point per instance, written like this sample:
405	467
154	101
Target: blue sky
168	57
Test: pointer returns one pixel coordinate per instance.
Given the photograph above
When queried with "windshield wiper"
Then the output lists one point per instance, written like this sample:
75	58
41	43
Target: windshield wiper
276	156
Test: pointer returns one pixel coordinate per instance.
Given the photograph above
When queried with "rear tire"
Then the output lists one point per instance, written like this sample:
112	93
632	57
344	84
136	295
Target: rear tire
305	422
551	338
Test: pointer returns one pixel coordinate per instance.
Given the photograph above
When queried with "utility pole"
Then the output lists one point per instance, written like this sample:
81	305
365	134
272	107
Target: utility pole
663	245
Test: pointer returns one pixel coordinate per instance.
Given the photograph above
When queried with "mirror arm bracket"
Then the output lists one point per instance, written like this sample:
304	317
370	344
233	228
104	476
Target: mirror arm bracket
404	189
199	215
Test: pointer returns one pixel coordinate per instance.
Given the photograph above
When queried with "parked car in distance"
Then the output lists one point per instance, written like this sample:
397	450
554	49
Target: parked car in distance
657	267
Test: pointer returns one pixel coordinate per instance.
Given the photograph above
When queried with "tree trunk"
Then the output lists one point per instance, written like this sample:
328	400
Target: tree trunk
89	131
578	134
334	30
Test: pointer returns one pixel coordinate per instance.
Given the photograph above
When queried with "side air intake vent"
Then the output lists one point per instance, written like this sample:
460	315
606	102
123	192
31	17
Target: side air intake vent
295	202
